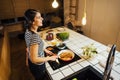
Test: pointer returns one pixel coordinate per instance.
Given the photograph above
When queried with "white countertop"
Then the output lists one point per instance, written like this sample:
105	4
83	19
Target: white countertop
75	42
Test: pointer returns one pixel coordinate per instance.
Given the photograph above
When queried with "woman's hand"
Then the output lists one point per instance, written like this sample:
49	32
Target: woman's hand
49	52
51	55
53	58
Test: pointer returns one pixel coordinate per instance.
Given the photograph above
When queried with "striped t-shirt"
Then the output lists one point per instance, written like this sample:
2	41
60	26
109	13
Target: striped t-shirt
33	38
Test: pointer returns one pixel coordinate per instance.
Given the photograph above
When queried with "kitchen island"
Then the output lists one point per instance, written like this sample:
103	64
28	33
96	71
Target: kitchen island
75	43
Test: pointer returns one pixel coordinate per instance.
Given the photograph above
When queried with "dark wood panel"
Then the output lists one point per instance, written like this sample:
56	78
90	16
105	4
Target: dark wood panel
20	6
6	9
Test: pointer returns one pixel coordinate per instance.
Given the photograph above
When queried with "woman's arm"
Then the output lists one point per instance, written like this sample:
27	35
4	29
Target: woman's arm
34	55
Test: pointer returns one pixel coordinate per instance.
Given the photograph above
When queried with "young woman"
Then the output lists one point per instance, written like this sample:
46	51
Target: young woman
36	58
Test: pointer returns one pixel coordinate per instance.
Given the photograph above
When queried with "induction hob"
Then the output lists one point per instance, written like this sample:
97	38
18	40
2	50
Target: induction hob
61	63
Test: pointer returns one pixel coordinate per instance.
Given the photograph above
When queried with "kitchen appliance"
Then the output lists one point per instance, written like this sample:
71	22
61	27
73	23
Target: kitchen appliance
61	63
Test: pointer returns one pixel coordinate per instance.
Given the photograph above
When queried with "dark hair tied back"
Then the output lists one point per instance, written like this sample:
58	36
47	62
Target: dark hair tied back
29	16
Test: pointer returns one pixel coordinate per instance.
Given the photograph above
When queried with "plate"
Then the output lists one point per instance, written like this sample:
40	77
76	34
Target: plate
66	55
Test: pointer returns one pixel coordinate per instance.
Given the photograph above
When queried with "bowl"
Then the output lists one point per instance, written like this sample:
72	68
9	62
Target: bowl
62	36
66	55
61	45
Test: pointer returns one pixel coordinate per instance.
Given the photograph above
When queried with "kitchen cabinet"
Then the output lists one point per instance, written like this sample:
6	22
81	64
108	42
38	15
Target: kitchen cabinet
19	7
6	9
16	8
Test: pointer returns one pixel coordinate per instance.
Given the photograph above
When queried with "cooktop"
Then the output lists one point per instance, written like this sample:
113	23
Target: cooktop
61	63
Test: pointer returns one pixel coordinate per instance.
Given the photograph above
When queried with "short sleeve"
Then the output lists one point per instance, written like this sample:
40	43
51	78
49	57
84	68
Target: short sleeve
35	39
27	38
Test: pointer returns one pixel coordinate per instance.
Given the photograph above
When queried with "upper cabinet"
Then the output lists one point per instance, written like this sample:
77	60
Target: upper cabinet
19	7
38	4
12	8
16	8
6	9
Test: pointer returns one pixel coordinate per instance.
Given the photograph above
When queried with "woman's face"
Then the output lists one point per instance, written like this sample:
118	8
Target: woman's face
38	20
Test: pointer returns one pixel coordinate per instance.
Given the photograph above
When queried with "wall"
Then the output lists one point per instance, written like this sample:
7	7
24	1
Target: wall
6	9
102	20
16	8
118	41
105	21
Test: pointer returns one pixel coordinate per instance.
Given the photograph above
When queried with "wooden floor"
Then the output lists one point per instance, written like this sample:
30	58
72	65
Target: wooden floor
18	67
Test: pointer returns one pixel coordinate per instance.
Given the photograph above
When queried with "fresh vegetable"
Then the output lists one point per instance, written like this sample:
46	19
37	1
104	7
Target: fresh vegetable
74	79
62	36
89	50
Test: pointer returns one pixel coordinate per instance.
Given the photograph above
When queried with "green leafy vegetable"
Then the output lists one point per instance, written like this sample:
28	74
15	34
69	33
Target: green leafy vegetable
62	36
89	50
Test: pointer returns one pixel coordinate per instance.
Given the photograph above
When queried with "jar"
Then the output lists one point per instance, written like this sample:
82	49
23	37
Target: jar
49	36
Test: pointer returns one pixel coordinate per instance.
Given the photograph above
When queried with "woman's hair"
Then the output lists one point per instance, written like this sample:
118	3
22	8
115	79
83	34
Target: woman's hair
29	16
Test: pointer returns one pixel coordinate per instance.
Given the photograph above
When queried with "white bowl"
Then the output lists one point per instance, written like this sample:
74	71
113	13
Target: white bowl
61	45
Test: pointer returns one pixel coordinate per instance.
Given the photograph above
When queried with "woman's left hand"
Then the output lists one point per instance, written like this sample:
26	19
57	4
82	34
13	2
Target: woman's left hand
49	52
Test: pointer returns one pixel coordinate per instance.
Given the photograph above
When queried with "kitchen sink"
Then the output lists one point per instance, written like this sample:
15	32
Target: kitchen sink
87	73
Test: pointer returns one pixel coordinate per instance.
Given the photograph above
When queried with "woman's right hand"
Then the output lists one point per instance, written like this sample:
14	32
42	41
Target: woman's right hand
53	58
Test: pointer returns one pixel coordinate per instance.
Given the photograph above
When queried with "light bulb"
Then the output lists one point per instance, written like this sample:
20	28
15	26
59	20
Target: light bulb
55	4
84	19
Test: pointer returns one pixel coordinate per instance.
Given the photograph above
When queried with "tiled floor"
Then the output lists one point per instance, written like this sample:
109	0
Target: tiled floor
18	67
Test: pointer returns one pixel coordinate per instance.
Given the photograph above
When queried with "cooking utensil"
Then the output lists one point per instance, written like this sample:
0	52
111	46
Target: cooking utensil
57	61
66	55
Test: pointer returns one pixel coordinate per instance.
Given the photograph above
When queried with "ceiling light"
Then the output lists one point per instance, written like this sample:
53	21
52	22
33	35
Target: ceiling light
84	20
55	4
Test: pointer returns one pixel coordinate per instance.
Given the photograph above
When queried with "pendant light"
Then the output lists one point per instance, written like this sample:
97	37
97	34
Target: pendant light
55	4
84	15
